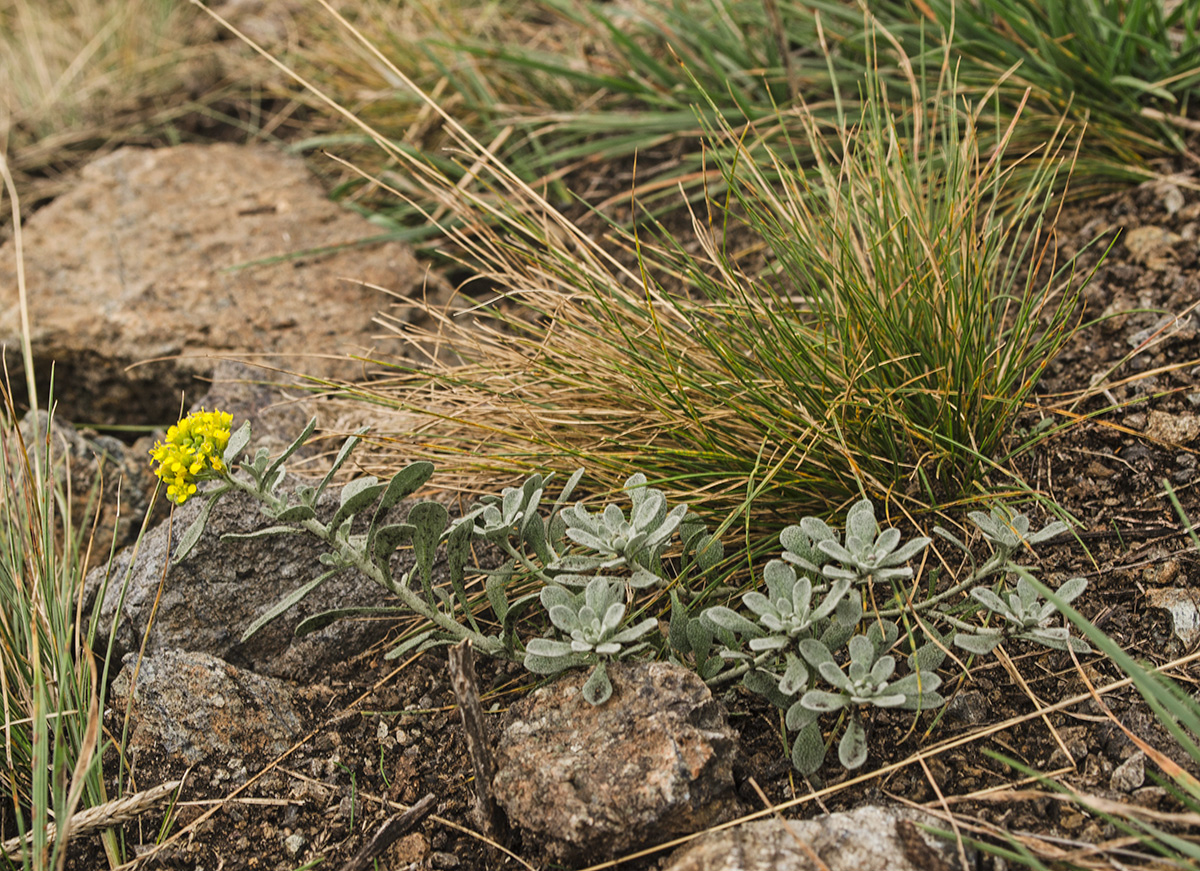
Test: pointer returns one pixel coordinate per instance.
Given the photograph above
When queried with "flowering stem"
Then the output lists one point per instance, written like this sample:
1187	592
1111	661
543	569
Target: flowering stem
352	556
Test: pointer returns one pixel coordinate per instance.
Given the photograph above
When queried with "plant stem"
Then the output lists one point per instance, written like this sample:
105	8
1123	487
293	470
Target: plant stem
352	556
997	563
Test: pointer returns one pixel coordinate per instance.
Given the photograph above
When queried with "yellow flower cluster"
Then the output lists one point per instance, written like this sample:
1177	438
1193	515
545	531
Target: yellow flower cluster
192	452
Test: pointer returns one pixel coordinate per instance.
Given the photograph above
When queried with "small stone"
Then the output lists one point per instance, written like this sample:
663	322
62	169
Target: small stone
294	844
1151	246
1169	196
1168	573
1130	774
587	783
1177	429
869	838
1137	421
1166	327
969	708
444	860
413	848
1181	603
1071	820
1149	796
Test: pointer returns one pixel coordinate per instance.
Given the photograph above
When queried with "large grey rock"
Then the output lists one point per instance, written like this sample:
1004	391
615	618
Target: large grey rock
196	707
867	839
587	783
209	599
145	259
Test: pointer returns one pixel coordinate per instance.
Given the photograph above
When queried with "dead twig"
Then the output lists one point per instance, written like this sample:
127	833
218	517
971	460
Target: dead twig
466	690
390	832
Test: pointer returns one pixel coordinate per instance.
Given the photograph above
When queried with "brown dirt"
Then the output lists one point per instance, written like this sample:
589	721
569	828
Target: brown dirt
385	735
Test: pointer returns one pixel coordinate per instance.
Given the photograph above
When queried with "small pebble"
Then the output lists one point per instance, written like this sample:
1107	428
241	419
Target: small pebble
1130	774
294	844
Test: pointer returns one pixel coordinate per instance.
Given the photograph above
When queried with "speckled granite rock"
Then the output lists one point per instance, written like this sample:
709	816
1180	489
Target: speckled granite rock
199	708
163	258
588	783
866	839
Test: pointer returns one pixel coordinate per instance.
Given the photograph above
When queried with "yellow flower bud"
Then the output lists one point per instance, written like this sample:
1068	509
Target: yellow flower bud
192	452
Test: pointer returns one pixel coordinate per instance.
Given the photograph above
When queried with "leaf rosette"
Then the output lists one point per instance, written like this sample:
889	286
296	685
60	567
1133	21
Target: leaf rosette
1025	616
591	621
868	681
635	542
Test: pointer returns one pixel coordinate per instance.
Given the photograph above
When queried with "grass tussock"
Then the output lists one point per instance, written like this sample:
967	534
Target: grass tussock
48	674
566	92
865	312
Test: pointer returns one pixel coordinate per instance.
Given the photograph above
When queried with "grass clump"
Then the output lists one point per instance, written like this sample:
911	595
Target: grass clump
1128	69
566	92
858	314
51	685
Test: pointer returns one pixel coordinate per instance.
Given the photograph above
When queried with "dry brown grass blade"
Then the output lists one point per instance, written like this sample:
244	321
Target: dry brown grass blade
1019	679
804	846
1169	766
1043	847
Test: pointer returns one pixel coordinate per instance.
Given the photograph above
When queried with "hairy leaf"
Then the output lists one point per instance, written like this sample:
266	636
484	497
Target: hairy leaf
261	533
429	520
852	749
236	444
598	688
276	466
808	749
285	603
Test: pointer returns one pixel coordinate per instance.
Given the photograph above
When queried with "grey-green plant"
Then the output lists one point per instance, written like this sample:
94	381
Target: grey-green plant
1176	711
806	640
636	543
1025	616
1023	613
797	627
785	618
868	554
551	550
789	642
592	620
867	681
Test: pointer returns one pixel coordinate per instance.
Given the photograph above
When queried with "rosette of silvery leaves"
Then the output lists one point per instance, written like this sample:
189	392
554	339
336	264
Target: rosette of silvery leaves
634	543
797	624
868	553
1008	530
867	681
591	620
785	617
1025	616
